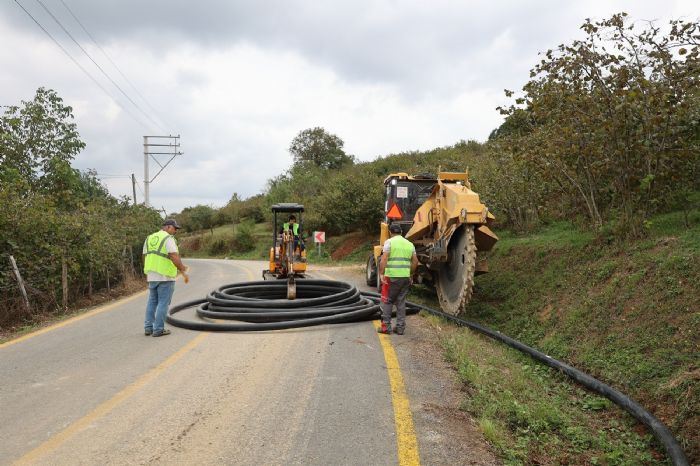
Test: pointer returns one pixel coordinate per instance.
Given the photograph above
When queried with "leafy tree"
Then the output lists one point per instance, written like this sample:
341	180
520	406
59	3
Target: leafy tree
51	214
610	119
39	140
319	148
199	217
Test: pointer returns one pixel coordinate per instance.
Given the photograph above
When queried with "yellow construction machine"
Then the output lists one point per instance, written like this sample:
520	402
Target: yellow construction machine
287	254
448	225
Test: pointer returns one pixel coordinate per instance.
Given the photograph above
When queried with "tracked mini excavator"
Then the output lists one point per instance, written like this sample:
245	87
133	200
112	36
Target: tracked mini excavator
448	225
287	254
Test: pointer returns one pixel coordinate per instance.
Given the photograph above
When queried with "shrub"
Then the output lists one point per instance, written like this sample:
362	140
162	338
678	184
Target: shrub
244	239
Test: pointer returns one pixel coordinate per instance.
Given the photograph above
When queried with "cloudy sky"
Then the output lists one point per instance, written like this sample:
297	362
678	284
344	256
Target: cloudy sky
239	79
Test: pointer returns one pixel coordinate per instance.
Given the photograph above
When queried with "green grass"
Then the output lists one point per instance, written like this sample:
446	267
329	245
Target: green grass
624	311
533	415
203	244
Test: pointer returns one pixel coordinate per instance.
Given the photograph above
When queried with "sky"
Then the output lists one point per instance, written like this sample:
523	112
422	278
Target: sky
238	80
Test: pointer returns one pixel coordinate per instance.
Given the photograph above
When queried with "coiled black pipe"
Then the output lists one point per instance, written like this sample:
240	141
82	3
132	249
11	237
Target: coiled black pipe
262	305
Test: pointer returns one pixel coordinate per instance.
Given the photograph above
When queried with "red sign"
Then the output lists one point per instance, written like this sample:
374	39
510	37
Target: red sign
394	212
319	236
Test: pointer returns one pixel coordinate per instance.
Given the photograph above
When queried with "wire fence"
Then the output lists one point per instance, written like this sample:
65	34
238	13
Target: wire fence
49	295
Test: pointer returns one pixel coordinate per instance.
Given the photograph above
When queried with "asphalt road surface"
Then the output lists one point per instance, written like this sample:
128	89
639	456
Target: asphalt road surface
95	390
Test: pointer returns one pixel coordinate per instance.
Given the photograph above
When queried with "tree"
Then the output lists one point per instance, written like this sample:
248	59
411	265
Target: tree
611	119
39	140
199	217
317	147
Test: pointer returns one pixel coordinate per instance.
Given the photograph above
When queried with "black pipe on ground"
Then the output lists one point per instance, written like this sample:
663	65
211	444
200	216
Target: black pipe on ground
658	429
262	305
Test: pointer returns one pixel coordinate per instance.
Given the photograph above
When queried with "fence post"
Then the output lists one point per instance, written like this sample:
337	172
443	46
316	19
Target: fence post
20	282
64	282
90	282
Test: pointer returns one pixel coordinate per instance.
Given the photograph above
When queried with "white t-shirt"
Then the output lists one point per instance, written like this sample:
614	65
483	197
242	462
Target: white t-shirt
170	246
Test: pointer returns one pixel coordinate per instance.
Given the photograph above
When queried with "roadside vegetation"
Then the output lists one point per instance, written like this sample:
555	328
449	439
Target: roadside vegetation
72	242
624	311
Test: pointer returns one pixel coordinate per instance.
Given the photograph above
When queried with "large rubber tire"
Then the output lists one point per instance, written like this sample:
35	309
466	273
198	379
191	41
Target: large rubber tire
371	272
455	278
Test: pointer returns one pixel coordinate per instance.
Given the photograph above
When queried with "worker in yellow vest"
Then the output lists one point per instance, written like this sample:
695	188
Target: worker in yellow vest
396	269
161	264
292	225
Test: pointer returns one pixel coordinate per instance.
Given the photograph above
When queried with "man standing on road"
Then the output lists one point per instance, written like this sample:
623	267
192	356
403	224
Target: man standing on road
396	269
162	262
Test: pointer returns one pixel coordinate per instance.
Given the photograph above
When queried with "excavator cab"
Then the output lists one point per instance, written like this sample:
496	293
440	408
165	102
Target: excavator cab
287	254
403	198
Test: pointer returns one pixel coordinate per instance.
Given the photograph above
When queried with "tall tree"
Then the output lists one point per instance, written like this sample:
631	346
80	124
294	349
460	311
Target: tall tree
39	140
320	148
611	118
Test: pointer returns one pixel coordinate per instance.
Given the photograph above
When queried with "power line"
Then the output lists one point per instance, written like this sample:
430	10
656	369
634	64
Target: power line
112	62
98	66
79	65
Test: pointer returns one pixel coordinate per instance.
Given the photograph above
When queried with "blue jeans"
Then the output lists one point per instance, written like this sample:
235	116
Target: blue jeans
159	296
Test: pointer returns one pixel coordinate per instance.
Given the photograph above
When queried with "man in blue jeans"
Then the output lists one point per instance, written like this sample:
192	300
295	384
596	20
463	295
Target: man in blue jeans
161	263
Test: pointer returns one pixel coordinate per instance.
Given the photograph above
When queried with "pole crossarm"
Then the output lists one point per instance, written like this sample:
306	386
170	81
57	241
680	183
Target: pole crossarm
147	154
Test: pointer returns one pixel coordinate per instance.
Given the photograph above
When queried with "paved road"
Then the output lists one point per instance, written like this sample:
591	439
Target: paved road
97	391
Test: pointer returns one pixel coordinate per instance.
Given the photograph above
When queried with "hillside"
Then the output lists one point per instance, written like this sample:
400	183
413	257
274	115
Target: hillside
626	313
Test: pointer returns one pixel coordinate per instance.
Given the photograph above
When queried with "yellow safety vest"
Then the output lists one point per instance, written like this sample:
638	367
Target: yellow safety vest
157	259
399	263
295	230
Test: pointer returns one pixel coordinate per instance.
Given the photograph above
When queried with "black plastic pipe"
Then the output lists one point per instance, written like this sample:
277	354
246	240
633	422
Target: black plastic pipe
658	429
262	305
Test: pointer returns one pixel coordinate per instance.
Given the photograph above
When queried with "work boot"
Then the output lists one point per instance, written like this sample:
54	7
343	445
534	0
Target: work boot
384	328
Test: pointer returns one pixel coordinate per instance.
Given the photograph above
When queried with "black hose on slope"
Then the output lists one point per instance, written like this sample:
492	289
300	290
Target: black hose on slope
262	305
660	431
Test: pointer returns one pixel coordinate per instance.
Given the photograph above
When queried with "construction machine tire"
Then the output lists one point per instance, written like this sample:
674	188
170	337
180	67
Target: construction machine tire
371	272
455	278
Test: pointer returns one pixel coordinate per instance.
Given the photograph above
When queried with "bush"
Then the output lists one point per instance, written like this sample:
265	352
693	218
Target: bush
243	238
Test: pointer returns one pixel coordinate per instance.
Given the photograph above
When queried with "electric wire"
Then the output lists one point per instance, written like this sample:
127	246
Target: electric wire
86	72
127	80
114	83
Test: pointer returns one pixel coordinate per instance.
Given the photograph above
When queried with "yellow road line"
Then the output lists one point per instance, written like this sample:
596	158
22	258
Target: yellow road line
251	277
95	311
57	440
406	440
403	420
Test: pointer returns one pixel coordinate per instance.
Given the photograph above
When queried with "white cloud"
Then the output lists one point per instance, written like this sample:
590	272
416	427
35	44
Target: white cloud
238	80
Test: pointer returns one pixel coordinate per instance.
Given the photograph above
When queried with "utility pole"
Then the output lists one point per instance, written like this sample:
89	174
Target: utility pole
172	143
133	186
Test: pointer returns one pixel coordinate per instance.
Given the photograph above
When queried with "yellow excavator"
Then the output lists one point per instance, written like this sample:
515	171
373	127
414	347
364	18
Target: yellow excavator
287	254
448	225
